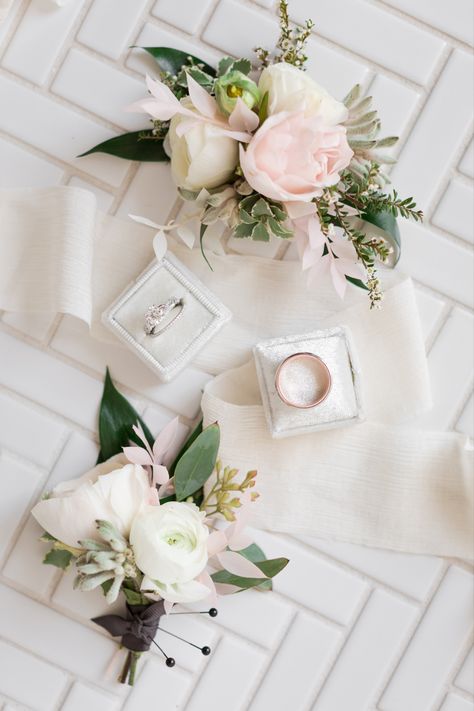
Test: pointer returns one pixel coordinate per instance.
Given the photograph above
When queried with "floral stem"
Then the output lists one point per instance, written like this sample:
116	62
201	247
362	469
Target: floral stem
126	668
135	656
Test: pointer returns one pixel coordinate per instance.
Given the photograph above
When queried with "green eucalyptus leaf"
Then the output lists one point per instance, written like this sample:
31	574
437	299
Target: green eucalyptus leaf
172	60
116	420
194	434
263	108
197	464
255	554
385	226
139	145
58	557
202	232
260	233
270	568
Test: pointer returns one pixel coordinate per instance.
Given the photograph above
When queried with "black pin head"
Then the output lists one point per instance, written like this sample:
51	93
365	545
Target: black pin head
213	612
170	662
206	651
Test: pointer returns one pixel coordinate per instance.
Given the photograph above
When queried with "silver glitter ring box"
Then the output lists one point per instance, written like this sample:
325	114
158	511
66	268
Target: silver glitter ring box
342	404
201	317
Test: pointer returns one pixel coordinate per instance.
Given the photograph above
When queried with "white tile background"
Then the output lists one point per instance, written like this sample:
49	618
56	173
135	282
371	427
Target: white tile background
347	628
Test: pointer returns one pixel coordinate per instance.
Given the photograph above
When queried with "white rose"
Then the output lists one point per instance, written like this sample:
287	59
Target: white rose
202	157
170	547
290	89
110	491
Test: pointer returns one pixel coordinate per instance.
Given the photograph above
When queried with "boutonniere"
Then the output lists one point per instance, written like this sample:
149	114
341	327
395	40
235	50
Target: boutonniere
162	530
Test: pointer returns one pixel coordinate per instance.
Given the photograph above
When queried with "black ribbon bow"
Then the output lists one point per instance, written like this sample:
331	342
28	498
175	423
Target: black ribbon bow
138	628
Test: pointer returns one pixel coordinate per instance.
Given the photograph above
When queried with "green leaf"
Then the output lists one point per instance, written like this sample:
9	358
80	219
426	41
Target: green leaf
279	214
59	558
224	65
107	585
244	230
198	75
139	145
260	233
172	60
133	597
202	232
278	229
387	223
246	217
197	463
241	65
194	434
357	282
116	420
270	568
263	108
255	554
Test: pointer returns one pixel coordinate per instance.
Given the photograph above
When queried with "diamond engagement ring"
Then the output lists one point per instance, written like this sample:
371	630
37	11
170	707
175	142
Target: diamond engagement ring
156	314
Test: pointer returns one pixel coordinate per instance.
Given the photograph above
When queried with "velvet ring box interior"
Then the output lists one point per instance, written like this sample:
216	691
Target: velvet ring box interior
202	315
284	378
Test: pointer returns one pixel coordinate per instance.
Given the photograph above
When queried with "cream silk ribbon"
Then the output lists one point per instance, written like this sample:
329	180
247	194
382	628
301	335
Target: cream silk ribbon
381	483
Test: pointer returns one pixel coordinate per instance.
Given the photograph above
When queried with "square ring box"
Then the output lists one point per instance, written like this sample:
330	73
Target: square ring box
341	406
201	317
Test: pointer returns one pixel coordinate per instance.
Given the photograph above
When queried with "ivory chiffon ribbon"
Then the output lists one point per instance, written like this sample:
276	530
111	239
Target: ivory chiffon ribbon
382	483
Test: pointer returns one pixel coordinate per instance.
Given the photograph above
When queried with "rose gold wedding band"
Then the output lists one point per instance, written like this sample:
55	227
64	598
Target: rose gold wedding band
317	375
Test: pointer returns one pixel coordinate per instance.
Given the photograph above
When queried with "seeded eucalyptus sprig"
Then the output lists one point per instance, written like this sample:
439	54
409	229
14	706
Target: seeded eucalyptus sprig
223	496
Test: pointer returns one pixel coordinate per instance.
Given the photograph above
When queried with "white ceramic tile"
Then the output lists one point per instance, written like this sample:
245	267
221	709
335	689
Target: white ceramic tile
455	18
157	681
451	369
379	36
25	563
83	697
109	25
250	29
466	421
21	169
438	132
104	199
101	89
18	486
337	594
466	164
45	683
465	678
374	643
37	41
155	36
33	325
413	575
78	456
193	628
425	255
53	637
233	660
29	433
395	103
73	134
337	72
453	702
51	383
187	18
454	213
283	689
432	652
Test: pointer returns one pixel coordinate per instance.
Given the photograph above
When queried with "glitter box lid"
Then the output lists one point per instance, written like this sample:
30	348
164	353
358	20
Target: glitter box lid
341	407
202	316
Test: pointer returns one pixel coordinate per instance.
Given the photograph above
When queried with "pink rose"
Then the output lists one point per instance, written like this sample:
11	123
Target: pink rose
293	157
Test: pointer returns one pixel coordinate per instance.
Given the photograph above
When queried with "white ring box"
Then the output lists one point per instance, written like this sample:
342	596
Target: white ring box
343	404
202	316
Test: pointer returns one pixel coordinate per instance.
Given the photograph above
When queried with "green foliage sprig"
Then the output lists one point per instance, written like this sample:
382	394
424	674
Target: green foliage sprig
291	42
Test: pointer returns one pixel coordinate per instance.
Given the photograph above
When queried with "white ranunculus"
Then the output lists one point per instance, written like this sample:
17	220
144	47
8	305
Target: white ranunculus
290	89
178	592
111	491
202	157
170	547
